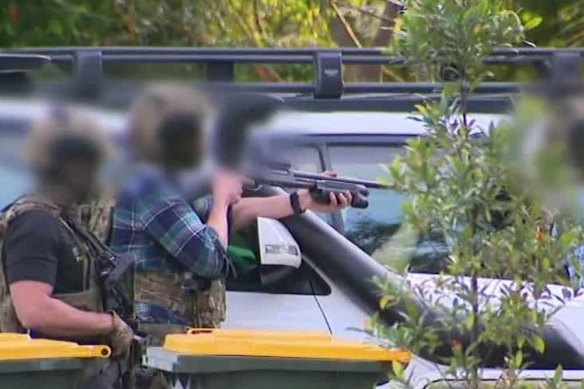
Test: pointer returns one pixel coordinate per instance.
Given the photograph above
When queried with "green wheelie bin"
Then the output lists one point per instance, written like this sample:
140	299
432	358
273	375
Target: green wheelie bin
27	363
217	359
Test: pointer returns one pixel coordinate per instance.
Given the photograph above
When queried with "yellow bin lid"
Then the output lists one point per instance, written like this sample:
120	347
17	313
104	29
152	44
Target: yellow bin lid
19	347
283	344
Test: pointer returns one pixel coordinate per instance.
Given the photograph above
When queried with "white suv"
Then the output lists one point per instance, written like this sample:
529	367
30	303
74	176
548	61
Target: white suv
328	285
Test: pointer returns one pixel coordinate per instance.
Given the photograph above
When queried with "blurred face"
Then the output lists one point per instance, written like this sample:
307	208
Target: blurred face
81	179
182	142
183	152
73	173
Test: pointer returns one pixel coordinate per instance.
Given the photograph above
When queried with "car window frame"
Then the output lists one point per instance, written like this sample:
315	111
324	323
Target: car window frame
305	273
326	141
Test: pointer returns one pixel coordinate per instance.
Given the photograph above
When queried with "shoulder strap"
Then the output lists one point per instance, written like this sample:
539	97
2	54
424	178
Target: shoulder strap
30	203
84	233
22	205
115	273
97	217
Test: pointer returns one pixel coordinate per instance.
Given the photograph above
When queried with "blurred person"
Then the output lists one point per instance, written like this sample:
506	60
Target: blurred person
567	127
49	277
180	245
551	135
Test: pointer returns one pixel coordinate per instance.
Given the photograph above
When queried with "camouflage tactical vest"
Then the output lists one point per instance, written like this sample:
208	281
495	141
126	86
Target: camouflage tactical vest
97	216
89	299
203	308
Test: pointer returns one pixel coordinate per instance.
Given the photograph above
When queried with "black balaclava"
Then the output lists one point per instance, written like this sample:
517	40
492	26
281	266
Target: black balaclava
72	168
181	141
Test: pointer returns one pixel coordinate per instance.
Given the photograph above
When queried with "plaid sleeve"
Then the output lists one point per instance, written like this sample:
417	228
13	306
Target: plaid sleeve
203	208
178	228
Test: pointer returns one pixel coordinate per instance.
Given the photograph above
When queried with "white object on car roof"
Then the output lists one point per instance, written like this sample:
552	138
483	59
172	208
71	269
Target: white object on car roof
397	123
32	109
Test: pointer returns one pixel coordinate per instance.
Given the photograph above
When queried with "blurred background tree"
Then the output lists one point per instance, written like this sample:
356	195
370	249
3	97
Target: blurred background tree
252	23
555	23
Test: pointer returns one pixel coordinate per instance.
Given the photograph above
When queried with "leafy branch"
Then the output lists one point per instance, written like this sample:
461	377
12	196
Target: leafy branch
465	191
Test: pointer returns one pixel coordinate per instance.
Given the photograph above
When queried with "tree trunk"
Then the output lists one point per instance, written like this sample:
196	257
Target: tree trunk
342	37
383	38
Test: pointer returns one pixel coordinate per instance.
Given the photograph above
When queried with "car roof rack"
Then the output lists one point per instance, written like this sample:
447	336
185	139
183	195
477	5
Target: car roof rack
328	86
14	68
22	62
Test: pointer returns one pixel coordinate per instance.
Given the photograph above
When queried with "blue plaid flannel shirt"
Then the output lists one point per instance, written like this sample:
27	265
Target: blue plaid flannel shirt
162	232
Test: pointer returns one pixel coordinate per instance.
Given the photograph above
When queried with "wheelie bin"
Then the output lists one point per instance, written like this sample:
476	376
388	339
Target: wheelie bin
27	363
213	359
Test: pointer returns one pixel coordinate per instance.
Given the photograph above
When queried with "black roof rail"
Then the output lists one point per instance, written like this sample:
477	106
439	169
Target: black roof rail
257	52
273	55
21	61
371	87
13	71
119	96
492	104
327	83
356	97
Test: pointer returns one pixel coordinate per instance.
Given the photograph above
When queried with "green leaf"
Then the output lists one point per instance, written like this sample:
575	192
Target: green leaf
518	359
397	368
558	373
533	23
521	341
538	344
469	322
385	301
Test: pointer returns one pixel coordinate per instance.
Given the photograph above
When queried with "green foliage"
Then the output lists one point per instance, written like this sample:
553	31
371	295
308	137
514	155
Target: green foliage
184	23
59	22
263	23
554	23
463	188
457	32
238	23
163	23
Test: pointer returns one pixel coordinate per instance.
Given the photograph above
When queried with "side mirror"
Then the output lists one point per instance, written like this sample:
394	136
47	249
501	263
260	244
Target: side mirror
277	246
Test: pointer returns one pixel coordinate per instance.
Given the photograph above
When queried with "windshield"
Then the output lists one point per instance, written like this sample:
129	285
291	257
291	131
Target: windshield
373	228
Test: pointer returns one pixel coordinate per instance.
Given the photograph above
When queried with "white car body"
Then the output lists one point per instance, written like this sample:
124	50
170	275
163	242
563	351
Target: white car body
336	312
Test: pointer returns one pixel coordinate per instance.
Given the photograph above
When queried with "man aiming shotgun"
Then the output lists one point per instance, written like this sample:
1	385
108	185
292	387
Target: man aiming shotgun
179	246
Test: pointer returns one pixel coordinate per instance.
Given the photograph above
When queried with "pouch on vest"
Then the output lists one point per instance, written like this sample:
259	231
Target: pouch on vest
115	273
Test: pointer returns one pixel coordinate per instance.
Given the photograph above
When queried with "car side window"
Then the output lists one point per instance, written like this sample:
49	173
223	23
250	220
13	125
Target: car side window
306	158
372	228
251	276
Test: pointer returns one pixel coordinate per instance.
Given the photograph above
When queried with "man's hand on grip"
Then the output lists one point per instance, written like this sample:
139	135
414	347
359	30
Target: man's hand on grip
120	336
227	187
